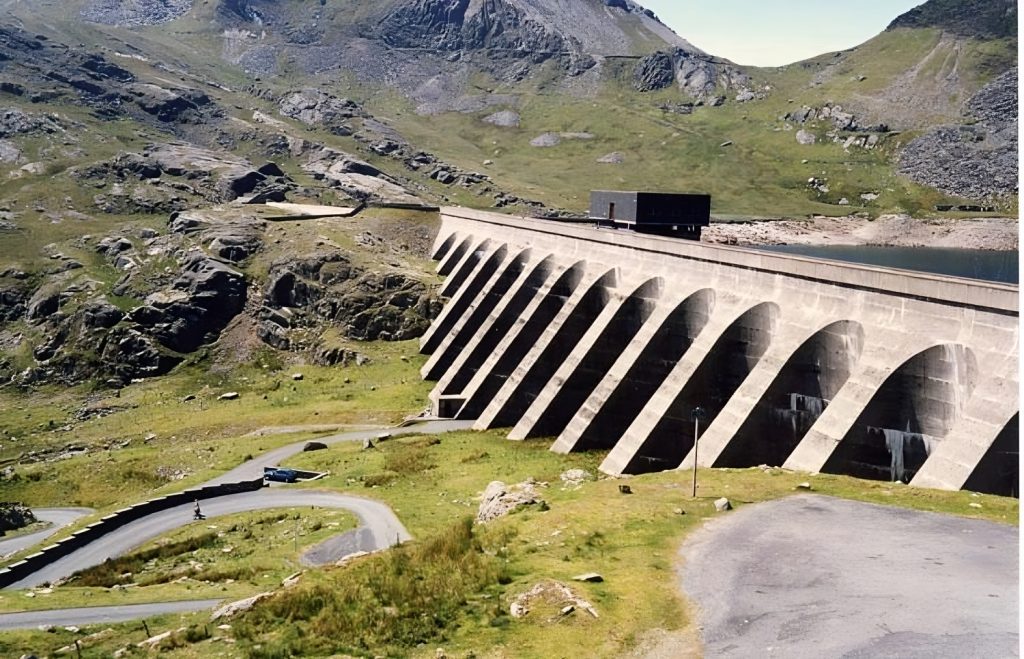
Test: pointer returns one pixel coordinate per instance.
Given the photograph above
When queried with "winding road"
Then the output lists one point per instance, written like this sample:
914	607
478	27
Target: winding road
58	519
379	527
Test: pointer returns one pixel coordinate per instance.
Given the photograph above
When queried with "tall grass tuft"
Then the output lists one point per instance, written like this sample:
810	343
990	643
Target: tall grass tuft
386	605
121	570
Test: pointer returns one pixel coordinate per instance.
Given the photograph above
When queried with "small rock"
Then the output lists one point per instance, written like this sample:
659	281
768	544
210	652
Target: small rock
625	489
722	504
188	398
296	376
592	577
367	444
974	505
440	654
314	446
804	486
566	610
291	580
230	395
517	610
72	629
679	511
726	143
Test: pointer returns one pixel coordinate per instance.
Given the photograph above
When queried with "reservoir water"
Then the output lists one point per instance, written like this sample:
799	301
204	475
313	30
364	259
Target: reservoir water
971	263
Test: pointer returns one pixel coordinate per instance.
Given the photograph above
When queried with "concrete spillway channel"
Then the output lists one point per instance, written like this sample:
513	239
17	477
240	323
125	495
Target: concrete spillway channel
607	339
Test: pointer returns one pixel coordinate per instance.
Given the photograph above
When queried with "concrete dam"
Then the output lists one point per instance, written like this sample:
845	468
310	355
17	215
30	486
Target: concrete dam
607	339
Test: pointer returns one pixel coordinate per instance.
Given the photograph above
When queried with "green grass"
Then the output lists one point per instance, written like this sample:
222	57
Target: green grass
432	485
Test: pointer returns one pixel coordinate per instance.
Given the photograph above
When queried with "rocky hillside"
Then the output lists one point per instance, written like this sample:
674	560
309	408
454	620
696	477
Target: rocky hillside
139	142
970	18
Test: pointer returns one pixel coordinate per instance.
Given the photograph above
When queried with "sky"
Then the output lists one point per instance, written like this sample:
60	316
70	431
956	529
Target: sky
776	32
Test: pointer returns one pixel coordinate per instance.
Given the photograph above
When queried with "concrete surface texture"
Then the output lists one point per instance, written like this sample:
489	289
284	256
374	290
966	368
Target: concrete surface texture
609	339
812	576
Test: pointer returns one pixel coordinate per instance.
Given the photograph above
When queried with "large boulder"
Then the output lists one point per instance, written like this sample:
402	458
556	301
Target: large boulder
14	516
653	72
317	108
500	499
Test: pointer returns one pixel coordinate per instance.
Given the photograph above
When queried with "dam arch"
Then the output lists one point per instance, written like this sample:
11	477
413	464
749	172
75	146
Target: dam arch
526	388
448	264
455	309
729	361
998	472
505	365
622	327
796	398
648	372
486	300
442	249
916	407
462	272
502	325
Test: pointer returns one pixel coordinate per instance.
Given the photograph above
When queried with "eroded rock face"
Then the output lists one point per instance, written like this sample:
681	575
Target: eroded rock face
136	13
496	27
655	71
697	75
310	291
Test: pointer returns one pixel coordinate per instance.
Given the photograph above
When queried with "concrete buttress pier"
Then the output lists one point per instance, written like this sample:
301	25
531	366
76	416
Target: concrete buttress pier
607	339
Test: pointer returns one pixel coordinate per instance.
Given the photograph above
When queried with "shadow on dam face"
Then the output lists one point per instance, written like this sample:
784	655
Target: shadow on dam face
998	471
520	346
500	327
659	357
796	398
558	348
442	326
448	264
443	249
479	315
623	326
712	384
454	283
911	412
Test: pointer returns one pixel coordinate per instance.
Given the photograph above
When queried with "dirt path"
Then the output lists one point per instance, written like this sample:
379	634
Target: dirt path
891	230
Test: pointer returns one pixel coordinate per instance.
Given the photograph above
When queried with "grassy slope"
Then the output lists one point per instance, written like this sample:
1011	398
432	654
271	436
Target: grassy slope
631	540
761	173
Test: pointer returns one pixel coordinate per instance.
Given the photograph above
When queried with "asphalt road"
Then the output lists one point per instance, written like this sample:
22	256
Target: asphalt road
97	615
379	527
254	468
813	576
58	519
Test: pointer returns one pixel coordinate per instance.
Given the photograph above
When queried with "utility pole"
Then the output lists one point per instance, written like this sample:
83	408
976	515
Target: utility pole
697	414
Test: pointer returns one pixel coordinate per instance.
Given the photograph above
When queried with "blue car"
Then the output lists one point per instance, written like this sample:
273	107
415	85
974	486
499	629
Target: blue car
280	474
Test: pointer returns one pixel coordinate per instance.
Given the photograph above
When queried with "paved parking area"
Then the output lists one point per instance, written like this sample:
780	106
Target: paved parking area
814	576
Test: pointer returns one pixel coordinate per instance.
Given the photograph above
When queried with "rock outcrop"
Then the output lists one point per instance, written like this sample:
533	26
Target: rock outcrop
978	161
697	75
